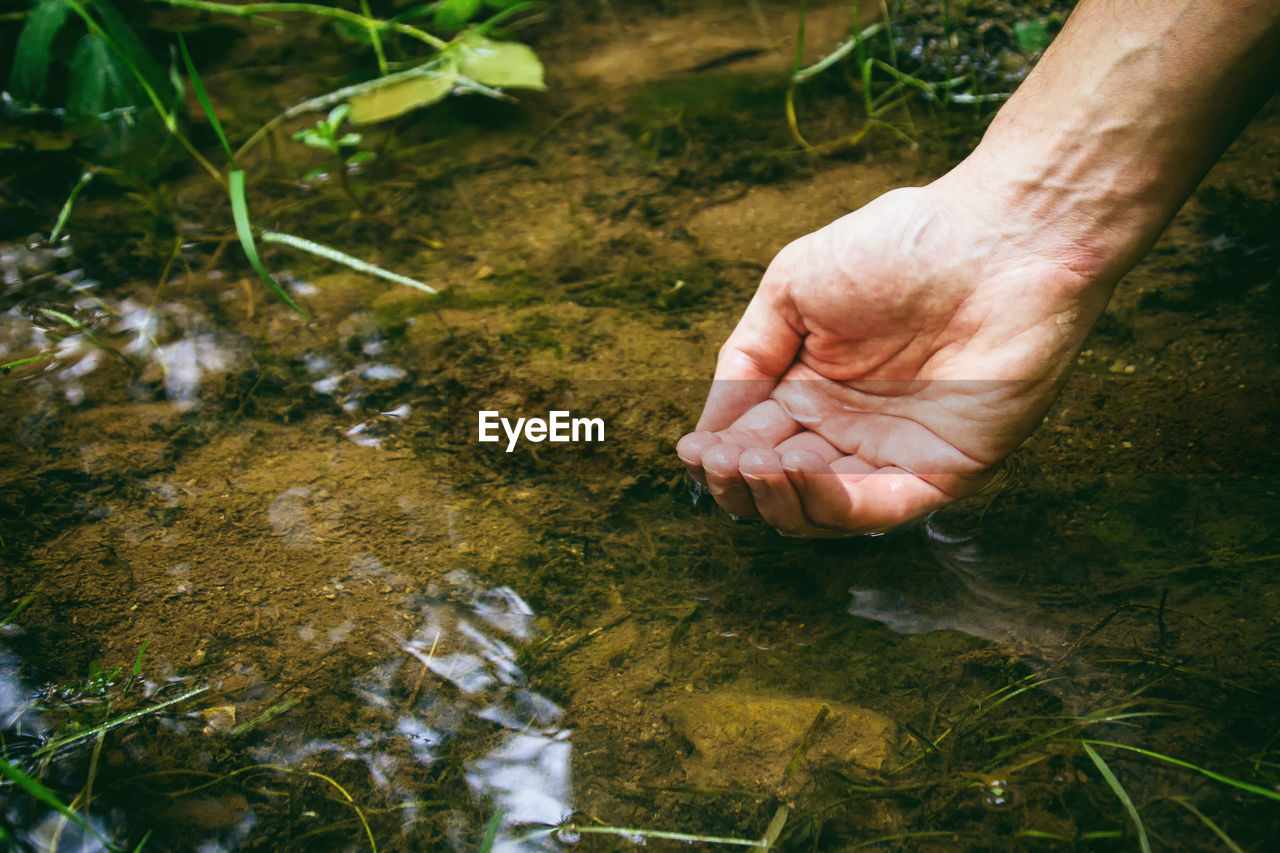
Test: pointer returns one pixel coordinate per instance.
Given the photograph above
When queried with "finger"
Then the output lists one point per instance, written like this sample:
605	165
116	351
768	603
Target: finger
725	482
820	492
762	347
852	495
691	448
775	498
764	425
811	442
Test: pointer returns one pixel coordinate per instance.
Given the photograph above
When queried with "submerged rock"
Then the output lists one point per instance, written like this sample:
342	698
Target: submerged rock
747	740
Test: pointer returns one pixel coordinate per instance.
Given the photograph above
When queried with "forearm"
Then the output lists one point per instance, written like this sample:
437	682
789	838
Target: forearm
1126	111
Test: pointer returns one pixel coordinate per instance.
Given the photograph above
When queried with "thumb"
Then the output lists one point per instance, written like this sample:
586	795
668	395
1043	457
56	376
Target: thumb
761	349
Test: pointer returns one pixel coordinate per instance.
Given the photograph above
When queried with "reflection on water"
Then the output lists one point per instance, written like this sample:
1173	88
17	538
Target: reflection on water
57	311
26	725
525	775
458	688
968	598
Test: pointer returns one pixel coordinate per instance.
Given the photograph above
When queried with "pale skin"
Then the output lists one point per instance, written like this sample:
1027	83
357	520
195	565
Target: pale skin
890	361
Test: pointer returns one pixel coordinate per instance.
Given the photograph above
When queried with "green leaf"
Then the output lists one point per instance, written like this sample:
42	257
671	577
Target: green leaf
491	831
311	137
127	42
1031	36
500	63
337	115
244	229
402	95
1217	777
4	368
100	82
454	14
34	51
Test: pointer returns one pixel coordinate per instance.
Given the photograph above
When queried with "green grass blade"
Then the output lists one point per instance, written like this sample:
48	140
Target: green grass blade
491	831
502	15
240	213
137	667
55	745
44	356
372	29
50	799
1213	827
29	597
66	208
251	10
1217	777
1121	794
65	318
343	258
903	836
844	49
774	830
628	832
266	716
203	97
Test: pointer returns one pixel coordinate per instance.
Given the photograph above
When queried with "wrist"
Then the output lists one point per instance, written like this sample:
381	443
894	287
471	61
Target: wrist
1067	199
1113	129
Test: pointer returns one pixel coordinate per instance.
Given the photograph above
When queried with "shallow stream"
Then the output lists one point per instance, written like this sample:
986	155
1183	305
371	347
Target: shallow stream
347	624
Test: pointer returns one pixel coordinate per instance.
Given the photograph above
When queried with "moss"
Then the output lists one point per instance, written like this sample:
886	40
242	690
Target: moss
534	332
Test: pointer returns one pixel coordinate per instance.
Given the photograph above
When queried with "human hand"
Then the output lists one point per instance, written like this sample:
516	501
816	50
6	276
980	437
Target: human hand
889	361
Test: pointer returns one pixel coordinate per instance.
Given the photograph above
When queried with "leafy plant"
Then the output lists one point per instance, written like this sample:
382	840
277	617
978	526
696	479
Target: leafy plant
70	715
893	62
325	134
1031	36
110	73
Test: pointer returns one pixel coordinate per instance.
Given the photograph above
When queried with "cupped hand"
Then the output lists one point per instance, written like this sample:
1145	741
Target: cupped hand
889	361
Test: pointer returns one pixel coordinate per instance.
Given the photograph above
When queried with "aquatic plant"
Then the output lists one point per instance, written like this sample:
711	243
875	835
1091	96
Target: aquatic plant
325	137
71	714
112	77
112	80
878	53
471	62
995	749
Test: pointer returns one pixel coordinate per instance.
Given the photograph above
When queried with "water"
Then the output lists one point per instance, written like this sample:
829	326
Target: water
408	638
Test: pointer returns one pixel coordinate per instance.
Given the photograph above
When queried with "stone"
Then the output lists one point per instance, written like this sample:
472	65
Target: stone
747	739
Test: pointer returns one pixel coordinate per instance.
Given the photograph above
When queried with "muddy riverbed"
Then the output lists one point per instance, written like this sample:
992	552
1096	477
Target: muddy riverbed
390	635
